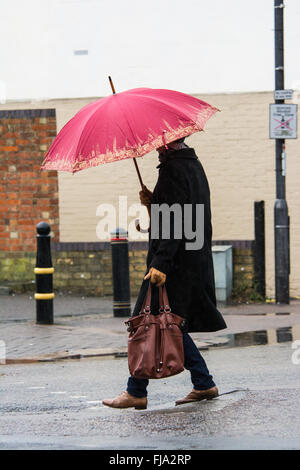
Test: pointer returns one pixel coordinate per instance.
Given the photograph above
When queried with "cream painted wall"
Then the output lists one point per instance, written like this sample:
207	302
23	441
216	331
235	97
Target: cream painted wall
238	157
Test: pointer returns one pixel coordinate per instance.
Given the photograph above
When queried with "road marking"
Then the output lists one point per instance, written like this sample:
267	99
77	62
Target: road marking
35	388
78	396
15	383
58	393
94	401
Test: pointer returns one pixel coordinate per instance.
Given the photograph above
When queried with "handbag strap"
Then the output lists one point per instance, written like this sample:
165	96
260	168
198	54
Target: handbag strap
146	306
163	299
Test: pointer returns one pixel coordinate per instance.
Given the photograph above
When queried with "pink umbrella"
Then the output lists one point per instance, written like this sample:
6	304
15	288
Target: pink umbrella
125	125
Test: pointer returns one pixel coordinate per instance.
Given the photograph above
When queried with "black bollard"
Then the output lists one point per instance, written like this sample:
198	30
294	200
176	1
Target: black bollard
44	276
120	271
259	247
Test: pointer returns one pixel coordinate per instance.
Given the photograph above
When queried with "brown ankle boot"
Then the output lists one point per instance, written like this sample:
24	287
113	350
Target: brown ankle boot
198	395
125	400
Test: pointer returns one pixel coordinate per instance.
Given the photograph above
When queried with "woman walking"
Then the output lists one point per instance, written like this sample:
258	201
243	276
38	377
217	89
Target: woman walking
185	269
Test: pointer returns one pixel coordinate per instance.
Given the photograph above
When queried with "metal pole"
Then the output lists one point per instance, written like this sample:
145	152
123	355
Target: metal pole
44	276
120	271
281	218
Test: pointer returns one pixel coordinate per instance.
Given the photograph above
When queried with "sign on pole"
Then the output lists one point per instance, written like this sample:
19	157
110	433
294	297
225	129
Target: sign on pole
283	121
283	94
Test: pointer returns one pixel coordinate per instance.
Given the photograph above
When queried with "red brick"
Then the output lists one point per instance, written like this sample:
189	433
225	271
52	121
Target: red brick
15	248
25	222
22	142
10	148
10	135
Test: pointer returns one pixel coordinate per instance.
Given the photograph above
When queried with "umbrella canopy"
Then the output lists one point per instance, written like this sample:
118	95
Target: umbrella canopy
125	125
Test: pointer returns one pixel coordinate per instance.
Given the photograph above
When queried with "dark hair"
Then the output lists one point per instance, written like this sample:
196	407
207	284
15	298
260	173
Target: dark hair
180	140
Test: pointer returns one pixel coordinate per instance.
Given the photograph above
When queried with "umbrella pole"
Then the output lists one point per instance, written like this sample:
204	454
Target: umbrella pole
134	160
138	172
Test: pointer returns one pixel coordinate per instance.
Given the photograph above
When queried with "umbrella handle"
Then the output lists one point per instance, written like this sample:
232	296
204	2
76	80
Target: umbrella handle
141	181
137	225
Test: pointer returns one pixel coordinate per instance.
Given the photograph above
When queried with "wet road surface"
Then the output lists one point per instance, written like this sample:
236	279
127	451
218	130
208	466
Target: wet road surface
58	405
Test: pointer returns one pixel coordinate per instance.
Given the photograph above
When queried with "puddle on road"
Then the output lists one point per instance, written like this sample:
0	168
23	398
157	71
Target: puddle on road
261	337
169	408
270	314
216	404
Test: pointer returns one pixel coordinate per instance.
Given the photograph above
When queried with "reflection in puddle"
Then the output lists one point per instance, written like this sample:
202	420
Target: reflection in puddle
260	337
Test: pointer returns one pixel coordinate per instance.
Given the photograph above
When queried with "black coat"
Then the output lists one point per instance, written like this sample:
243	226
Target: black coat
190	274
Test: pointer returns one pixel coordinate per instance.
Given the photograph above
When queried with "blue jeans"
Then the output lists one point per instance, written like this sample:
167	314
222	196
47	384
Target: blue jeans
193	361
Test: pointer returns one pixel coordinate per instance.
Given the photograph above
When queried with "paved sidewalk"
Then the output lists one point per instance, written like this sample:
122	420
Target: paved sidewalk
85	327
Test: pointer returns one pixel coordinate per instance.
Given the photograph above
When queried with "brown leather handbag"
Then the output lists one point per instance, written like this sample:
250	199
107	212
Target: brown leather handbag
155	348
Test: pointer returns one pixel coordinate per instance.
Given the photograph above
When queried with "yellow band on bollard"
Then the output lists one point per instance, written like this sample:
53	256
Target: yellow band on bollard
43	270
38	296
122	306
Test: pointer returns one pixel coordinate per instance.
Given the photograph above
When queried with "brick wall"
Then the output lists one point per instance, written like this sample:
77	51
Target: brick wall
82	272
86	269
27	194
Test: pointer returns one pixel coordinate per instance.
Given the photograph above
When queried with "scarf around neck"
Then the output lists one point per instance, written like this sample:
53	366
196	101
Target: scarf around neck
172	147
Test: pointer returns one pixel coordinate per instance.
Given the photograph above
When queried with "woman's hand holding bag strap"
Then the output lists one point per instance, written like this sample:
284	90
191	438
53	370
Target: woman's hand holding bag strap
155	348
